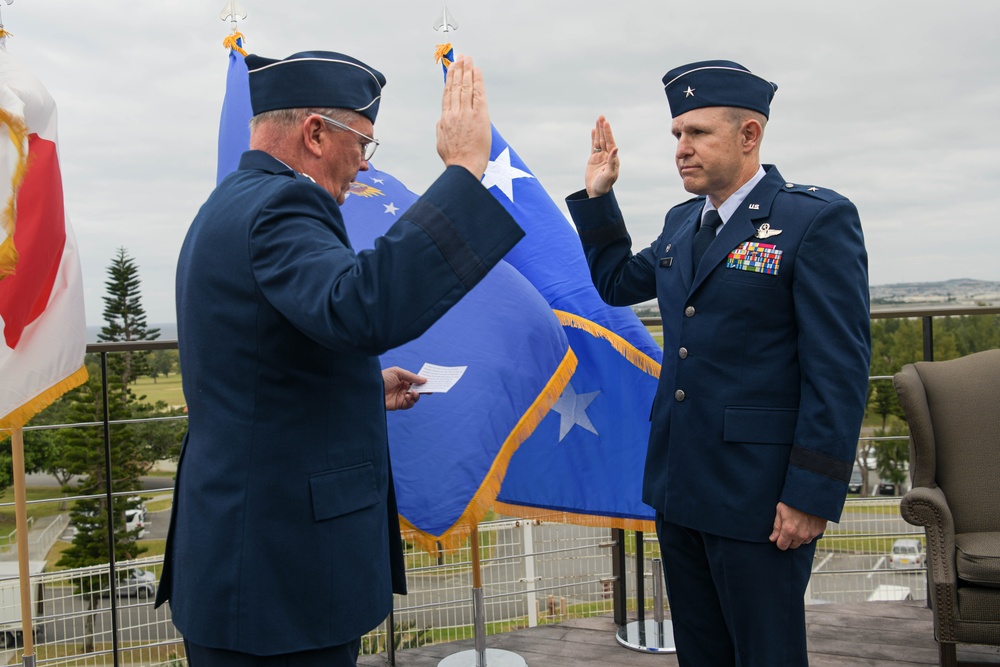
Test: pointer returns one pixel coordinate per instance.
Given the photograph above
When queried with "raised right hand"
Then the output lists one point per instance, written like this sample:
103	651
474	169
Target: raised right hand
602	167
463	133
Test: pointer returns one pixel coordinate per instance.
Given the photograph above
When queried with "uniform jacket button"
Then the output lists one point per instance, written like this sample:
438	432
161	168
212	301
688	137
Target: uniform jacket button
689	311
679	394
682	353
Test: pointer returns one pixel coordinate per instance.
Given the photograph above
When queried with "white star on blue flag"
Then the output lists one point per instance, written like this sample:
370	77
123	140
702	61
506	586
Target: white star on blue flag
572	409
500	173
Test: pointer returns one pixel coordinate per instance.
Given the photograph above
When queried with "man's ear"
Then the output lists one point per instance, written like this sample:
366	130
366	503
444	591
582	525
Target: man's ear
312	135
750	133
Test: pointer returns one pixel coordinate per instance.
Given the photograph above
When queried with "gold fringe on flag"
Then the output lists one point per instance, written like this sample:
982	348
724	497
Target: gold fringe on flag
483	500
17	131
638	359
641	361
4	34
20	416
232	43
554	516
440	53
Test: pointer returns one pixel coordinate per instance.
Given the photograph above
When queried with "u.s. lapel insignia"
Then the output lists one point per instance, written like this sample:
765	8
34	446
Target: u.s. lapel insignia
765	232
667	262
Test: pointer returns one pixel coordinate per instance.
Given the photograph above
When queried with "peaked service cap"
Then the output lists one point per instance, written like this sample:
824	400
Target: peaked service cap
716	83
312	79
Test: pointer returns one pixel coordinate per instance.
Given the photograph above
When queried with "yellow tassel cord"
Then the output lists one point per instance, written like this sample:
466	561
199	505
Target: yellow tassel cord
483	500
20	416
440	53
4	34
624	348
17	130
232	44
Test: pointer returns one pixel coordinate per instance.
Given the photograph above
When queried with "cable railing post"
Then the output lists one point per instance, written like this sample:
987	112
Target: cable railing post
619	590
640	578
928	337
111	515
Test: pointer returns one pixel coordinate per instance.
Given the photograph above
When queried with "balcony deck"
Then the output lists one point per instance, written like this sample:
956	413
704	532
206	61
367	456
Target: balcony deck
840	635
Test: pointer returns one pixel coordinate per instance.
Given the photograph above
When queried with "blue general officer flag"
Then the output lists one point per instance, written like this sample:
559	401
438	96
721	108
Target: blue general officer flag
586	458
451	451
584	462
234	125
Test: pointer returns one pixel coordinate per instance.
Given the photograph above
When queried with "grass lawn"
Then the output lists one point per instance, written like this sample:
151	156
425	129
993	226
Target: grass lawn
166	389
39	510
153	548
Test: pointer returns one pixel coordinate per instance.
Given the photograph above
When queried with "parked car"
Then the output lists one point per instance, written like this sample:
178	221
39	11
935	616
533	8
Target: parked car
854	486
135	519
138	582
906	554
886	489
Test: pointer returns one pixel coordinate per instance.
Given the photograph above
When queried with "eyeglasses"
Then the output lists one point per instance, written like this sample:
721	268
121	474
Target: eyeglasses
369	144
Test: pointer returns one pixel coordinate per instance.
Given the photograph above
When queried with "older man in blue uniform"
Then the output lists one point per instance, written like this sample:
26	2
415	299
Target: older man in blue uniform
284	543
762	285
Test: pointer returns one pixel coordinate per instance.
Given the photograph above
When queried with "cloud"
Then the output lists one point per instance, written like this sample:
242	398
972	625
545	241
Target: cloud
891	104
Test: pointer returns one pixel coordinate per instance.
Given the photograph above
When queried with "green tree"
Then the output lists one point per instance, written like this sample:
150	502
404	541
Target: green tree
83	455
161	362
125	317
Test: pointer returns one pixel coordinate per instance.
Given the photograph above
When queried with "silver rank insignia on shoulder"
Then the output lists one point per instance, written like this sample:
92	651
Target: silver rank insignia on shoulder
765	232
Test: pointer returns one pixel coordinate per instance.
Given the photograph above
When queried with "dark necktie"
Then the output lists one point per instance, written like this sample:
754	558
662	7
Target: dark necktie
705	235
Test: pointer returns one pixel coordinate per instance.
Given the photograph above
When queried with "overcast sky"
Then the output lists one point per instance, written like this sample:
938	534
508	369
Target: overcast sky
893	104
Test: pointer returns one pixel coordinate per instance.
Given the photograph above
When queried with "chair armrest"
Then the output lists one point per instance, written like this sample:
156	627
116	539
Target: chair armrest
927	507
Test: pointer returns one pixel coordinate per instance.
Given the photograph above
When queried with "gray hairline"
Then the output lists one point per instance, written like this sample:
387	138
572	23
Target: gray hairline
292	117
737	115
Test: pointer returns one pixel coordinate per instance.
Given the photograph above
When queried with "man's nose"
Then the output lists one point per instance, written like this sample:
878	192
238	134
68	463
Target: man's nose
683	148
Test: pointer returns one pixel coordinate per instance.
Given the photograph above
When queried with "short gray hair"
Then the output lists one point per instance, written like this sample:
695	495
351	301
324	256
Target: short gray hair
292	117
738	114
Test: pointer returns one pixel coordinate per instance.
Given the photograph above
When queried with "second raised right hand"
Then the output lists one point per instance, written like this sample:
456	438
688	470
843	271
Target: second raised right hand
602	167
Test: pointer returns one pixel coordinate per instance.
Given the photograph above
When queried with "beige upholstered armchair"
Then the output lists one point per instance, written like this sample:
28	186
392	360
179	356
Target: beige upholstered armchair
953	411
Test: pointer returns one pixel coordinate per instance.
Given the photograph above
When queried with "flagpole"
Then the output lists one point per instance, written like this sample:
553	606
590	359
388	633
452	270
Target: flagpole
480	655
23	548
645	635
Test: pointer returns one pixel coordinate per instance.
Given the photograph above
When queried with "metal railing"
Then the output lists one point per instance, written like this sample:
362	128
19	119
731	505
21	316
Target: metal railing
534	572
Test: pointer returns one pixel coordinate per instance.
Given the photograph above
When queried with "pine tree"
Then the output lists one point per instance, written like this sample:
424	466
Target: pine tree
125	318
83	455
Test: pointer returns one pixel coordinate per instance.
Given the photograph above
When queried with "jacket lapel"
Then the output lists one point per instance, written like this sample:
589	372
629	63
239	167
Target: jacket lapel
682	242
741	226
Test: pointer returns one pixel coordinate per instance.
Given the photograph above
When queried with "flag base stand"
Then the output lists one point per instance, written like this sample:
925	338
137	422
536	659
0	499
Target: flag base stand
492	657
480	656
649	636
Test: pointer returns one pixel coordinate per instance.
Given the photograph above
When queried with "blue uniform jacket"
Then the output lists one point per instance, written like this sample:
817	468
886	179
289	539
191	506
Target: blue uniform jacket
763	384
284	534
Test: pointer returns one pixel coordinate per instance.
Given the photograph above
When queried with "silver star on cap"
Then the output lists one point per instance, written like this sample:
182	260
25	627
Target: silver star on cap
689	92
813	189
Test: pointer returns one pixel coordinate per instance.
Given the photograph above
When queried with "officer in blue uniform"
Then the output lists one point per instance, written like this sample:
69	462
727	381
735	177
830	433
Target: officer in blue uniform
284	543
766	355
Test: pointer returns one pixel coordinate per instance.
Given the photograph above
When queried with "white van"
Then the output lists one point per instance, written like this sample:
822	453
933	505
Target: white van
135	519
906	554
